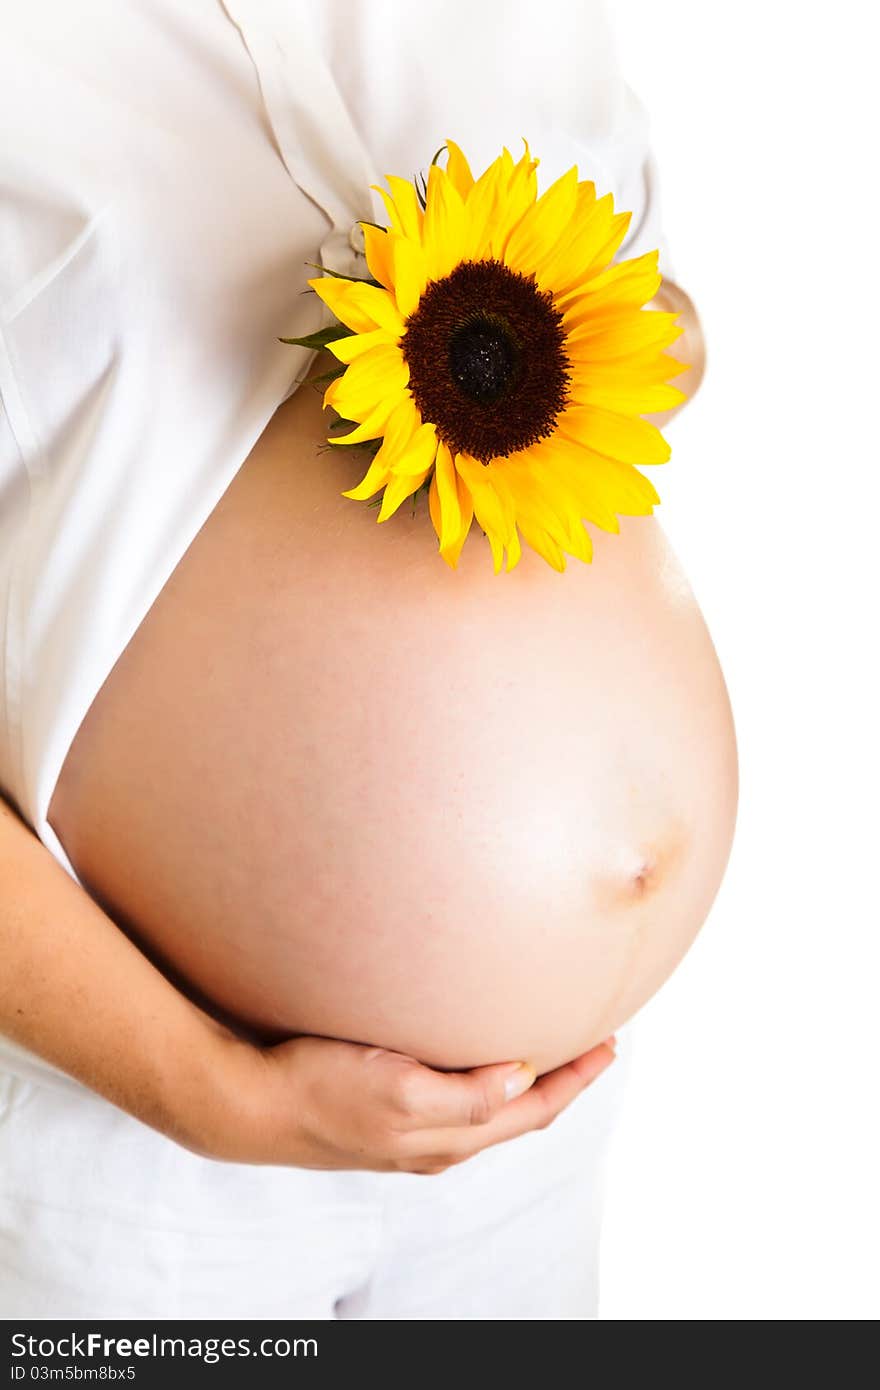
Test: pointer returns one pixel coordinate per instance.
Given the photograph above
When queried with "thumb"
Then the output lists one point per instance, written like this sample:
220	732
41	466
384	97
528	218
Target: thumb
456	1099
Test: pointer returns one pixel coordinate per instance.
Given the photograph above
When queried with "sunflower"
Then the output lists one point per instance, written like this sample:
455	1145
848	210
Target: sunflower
500	357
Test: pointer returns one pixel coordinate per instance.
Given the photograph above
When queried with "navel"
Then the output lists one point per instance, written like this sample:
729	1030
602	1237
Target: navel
636	873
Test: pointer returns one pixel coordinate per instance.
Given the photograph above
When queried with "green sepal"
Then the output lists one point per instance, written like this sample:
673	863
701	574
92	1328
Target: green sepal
338	275
422	192
414	497
321	337
333	375
349	424
369	445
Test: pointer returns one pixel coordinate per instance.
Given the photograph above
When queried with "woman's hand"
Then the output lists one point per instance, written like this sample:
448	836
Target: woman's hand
319	1103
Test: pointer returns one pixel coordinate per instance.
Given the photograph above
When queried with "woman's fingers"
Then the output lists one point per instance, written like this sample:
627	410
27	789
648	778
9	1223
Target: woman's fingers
534	1109
426	1099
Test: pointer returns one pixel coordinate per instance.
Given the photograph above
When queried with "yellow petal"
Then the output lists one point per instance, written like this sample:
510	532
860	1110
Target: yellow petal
617	436
608	247
578	541
378	375
371	428
402	205
410	275
555	254
399	429
401	425
637	368
545	546
606	486
590	254
514	551
481	209
547	499
625	399
497	548
452	551
458	169
542	224
633	493
434	505
466	507
347	349
447	493
375	477
593	501
496	474
488	508
627	284
630	332
397	491
595	229
619	228
418	454
442	232
359	306
522	189
377	248
517	191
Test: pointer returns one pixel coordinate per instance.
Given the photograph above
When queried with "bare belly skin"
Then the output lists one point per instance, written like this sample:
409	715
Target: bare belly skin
335	787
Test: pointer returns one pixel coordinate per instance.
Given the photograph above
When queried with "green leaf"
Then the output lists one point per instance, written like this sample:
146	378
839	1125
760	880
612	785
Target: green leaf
321	337
438	154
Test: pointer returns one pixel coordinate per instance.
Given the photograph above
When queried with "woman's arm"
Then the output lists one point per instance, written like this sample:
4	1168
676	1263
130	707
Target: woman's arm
76	991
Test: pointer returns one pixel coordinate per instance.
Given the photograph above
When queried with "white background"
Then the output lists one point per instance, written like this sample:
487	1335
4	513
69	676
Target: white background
744	1175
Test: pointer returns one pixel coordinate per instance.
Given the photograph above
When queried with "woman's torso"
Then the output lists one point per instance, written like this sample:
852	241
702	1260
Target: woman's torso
338	788
335	785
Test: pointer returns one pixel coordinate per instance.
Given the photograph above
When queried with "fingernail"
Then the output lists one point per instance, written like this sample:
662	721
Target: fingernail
518	1081
611	1042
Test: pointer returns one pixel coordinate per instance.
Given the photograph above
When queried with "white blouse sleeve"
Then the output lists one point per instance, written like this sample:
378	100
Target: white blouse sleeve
14	489
488	73
15	484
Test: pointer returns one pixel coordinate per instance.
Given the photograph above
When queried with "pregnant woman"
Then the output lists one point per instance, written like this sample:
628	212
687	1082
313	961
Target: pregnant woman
324	865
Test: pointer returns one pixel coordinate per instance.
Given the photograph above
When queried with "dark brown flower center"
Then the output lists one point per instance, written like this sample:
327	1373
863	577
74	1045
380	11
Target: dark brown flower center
486	355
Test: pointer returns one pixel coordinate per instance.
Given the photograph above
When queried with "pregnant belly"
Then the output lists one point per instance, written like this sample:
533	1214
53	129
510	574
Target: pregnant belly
333	787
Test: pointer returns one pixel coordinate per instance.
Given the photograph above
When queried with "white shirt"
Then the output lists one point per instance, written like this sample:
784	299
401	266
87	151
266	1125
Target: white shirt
167	169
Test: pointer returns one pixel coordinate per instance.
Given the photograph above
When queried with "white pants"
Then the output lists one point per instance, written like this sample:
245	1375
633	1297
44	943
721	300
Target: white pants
101	1217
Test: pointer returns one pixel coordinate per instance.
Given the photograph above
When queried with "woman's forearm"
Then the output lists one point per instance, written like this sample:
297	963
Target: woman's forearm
77	992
